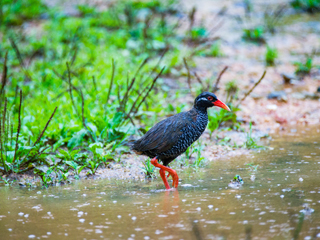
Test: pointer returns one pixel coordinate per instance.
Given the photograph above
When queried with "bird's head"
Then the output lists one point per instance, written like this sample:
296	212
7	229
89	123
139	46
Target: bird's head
208	99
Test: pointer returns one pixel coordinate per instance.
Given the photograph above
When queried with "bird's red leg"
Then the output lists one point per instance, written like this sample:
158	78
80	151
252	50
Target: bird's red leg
164	179
172	172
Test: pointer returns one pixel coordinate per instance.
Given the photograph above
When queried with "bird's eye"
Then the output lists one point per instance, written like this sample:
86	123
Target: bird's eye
210	98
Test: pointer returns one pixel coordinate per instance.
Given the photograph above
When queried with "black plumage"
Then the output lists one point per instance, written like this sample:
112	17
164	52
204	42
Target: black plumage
172	136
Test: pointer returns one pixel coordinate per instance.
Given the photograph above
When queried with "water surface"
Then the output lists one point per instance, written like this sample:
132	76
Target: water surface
269	202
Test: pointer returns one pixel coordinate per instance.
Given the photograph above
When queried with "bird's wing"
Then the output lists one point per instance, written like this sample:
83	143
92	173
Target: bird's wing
165	134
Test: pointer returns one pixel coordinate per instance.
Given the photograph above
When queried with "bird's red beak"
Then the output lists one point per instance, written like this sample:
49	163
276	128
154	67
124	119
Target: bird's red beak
218	103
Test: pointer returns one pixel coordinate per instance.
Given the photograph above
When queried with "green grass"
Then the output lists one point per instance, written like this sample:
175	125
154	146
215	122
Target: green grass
256	34
270	56
309	6
251	143
304	68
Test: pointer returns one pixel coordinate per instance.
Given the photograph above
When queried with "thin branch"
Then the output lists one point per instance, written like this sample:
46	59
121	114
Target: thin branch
189	75
18	130
215	88
83	119
152	85
45	128
4	74
254	86
70	89
111	81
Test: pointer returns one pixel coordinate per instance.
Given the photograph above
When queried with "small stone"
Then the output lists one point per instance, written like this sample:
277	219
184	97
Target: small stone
279	95
287	77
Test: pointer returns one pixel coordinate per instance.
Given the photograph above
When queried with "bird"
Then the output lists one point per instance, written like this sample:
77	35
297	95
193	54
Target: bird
172	136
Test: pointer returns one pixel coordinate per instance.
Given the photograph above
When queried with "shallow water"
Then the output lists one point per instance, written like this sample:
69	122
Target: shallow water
286	178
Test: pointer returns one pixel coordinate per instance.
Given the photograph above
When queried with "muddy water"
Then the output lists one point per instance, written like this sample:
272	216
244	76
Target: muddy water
276	186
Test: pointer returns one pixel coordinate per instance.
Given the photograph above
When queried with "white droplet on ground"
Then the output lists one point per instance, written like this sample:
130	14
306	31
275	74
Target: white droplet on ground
119	216
31	236
114	201
262	213
91	223
134	218
238	196
158	232
301	179
39	192
81	220
9	229
26	215
232	213
48	233
198	208
210	206
21	214
98	231
282	196
146	238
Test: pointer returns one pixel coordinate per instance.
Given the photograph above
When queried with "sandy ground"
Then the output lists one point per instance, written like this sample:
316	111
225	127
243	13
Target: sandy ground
299	105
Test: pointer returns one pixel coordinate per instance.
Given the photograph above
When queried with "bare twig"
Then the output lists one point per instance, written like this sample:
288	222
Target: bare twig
254	86
83	119
45	128
111	81
199	79
215	88
149	90
4	74
70	89
17	51
189	75
18	129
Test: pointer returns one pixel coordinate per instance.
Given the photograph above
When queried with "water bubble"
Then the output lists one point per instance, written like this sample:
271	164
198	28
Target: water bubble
114	201
282	196
98	231
48	233
198	208
119	216
91	223
301	179
81	220
232	213
39	192
26	215
31	236
238	196
146	238
9	229
210	206
134	218
21	214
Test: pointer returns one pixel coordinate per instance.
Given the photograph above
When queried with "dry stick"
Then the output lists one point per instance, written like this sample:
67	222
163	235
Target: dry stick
17	51
45	128
4	74
4	117
215	88
189	76
248	93
70	89
83	119
1	149
111	81
149	90
199	80
18	129
125	98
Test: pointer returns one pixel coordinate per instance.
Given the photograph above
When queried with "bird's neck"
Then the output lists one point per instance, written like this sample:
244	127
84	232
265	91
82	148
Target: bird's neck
201	109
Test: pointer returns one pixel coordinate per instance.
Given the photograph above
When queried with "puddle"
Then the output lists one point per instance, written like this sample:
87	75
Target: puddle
279	185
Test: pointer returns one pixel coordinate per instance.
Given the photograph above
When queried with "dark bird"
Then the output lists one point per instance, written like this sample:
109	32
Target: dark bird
172	136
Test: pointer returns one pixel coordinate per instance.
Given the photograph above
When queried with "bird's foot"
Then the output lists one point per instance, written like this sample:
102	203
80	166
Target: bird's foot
163	169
